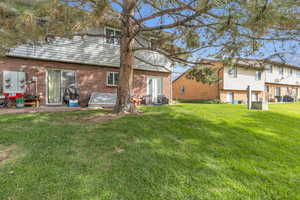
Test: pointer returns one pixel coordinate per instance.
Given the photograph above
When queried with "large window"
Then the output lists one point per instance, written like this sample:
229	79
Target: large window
258	75
112	78
112	36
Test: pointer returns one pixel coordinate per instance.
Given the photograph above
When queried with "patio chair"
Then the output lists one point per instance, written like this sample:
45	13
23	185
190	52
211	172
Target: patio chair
4	103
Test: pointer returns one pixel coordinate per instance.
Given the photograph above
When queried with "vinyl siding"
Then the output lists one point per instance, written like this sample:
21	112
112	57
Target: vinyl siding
89	50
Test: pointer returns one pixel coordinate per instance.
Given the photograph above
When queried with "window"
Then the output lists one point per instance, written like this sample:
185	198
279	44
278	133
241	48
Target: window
298	73
290	72
270	69
278	91
230	97
258	75
112	36
233	72
182	90
112	78
254	96
280	70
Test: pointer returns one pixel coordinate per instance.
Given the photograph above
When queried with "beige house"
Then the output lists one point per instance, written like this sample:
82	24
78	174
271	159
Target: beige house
270	80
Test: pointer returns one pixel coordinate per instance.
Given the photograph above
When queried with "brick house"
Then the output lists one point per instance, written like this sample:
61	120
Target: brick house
90	63
268	80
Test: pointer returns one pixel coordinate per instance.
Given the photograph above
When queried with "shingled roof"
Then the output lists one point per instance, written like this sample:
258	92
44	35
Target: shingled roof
89	50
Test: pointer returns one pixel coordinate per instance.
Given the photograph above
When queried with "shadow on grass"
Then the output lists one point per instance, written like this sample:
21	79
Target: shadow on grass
186	157
169	153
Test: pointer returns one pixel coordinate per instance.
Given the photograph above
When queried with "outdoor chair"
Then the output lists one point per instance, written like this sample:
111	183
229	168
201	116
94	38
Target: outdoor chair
4	103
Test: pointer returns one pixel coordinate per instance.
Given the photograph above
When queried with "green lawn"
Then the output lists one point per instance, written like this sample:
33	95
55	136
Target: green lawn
181	152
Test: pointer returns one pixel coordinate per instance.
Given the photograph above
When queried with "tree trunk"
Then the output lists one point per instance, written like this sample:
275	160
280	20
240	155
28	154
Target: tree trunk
124	102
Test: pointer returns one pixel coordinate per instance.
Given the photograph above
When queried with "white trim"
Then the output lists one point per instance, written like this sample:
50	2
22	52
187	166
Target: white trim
46	81
114	74
114	29
162	84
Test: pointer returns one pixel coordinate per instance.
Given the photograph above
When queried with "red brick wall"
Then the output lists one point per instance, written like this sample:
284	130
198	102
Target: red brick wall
284	91
89	78
239	95
196	90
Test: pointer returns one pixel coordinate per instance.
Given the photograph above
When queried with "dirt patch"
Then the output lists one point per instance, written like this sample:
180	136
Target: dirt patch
100	118
106	117
6	152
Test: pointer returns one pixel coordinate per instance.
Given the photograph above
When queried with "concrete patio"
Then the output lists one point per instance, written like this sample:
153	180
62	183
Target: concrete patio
41	109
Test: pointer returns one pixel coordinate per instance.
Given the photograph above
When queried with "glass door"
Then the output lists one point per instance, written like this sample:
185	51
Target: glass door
57	82
230	97
154	88
68	79
54	89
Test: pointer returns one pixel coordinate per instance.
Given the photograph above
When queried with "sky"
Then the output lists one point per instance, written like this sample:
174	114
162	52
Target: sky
291	54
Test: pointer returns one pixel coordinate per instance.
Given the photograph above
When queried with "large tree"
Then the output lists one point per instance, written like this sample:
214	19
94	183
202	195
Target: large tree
182	29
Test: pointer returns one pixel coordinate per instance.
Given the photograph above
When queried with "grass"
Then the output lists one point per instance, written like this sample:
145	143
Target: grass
196	101
182	152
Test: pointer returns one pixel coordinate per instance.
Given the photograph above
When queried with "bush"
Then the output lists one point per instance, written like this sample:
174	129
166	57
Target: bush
208	101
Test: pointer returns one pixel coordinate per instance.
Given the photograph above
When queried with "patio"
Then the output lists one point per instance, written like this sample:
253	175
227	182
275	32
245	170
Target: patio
41	109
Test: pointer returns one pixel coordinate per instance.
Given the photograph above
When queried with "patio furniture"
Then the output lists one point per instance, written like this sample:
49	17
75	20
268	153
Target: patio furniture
4	102
287	98
71	95
34	101
146	100
279	98
161	99
136	101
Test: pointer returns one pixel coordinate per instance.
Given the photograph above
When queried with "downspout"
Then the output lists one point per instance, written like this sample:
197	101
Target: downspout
171	85
219	92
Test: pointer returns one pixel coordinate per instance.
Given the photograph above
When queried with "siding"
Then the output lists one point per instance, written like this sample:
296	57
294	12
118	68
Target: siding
244	78
89	50
277	78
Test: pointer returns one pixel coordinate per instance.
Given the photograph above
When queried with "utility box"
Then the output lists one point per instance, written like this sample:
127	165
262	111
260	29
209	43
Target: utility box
14	82
260	105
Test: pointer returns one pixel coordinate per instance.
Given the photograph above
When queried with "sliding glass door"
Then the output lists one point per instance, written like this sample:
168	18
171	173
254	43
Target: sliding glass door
54	89
57	81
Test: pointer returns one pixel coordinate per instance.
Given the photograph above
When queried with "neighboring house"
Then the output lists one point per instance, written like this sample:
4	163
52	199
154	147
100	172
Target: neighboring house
90	62
268	80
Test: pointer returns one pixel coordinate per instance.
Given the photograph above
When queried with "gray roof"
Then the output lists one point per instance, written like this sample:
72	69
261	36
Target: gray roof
89	50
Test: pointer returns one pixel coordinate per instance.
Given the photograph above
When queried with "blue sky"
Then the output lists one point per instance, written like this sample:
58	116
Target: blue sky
291	54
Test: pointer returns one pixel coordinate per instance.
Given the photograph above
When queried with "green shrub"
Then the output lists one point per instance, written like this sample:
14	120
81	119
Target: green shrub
208	101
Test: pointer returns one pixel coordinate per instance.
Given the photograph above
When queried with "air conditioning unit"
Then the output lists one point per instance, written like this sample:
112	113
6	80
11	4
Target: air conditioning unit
277	80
